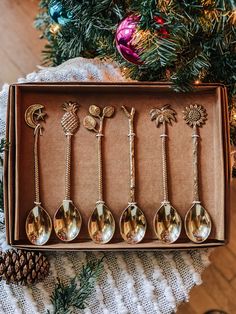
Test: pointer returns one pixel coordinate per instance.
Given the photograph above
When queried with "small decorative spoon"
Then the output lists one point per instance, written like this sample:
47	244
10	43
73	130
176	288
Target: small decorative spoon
167	222
67	219
197	220
101	225
38	223
133	223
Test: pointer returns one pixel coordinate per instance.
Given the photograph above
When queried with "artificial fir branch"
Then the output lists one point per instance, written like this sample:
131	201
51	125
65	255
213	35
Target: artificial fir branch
68	297
201	44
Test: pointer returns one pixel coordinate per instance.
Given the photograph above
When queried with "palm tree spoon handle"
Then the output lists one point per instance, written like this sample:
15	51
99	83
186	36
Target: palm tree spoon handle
167	222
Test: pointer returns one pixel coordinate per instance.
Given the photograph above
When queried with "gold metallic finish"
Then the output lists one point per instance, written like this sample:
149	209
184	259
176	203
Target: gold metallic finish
197	220
133	223
101	225
38	223
38	226
67	219
167	221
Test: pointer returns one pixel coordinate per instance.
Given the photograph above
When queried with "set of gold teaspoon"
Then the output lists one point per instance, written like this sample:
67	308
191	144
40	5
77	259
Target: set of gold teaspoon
67	220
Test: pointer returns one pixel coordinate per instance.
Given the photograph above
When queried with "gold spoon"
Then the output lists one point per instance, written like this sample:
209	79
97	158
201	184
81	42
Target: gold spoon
133	223
67	219
38	223
197	220
101	225
167	222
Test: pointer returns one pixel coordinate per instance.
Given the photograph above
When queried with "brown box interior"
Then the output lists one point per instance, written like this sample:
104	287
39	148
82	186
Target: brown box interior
213	158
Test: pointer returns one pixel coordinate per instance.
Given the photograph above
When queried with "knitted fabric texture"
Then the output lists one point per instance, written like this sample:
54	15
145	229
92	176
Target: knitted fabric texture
132	282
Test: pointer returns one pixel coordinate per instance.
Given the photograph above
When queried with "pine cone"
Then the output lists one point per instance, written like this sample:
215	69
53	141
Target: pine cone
23	267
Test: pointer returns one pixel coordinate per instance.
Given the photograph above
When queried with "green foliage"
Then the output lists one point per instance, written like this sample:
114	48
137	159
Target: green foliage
201	44
68	297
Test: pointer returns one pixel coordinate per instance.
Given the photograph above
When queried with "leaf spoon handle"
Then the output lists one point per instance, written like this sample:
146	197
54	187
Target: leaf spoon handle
101	224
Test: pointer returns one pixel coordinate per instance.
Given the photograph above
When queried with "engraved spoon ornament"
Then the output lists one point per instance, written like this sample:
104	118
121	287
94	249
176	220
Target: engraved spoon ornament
38	223
67	219
101	224
133	223
167	222
197	220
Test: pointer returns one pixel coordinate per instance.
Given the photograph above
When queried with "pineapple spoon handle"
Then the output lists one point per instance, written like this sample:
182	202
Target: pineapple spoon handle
70	125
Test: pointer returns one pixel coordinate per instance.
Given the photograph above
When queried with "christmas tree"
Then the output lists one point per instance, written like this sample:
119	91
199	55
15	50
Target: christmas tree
182	41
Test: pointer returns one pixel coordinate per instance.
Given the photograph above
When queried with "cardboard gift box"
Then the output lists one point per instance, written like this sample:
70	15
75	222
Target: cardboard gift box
214	156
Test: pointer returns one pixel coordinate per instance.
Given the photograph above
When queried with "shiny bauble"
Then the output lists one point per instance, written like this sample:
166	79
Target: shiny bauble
126	34
129	37
58	13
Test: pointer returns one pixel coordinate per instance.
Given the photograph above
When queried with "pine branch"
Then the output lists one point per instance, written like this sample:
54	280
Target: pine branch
67	297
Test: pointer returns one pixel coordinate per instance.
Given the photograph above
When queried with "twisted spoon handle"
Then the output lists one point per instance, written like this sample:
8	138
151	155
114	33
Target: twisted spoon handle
195	137
164	163
36	164
99	159
68	167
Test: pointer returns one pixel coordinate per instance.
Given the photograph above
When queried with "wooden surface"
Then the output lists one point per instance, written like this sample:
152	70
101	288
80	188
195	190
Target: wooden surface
19	54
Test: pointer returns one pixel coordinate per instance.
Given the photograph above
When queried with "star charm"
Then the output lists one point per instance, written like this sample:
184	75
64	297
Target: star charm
40	115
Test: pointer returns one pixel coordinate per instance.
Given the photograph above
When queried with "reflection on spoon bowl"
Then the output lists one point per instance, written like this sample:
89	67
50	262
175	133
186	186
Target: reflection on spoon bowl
101	225
133	224
197	223
167	224
67	221
38	226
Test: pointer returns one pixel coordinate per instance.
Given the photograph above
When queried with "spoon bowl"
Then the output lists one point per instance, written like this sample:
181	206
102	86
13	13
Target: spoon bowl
101	225
38	226
197	223
67	221
167	224
133	224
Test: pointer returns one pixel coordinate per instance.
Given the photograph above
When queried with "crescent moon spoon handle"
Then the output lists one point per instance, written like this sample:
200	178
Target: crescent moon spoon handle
38	223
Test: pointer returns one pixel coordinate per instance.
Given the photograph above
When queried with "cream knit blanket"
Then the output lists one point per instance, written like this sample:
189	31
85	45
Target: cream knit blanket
132	282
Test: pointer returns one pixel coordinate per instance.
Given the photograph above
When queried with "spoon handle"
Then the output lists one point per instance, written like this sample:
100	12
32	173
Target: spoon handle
37	132
68	167
131	136
195	137
163	137
100	174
